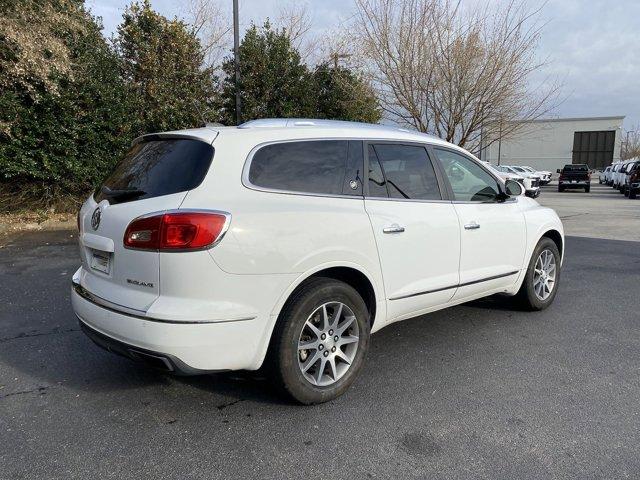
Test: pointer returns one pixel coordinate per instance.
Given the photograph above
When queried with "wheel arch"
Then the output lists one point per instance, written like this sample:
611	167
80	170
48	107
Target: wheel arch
557	238
352	274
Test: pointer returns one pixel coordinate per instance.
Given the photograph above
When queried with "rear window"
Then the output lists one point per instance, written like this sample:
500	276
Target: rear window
576	168
157	167
330	167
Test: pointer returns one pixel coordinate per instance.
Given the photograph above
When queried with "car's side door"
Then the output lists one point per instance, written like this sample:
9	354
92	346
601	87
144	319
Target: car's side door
415	227
492	228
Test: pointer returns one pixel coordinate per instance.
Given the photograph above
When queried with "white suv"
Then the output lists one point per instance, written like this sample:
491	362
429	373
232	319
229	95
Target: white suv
285	243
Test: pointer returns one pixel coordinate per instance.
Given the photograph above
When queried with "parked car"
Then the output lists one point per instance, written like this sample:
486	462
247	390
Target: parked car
625	170
630	175
575	176
285	243
604	175
543	175
531	183
634	182
505	175
618	174
609	175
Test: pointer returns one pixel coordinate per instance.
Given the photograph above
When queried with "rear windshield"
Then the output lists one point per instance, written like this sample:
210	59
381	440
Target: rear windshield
576	168
157	167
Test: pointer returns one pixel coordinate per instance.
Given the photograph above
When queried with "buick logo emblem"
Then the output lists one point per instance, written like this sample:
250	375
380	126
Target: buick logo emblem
95	218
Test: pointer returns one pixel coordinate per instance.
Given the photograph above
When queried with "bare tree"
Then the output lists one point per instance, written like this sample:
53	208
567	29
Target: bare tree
631	144
212	25
295	19
460	74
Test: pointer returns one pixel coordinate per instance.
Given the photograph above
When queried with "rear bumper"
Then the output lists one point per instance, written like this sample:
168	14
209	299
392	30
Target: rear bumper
179	347
579	183
158	360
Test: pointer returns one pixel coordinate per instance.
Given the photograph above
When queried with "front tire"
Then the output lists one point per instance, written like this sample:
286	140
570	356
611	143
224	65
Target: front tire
320	341
587	189
541	282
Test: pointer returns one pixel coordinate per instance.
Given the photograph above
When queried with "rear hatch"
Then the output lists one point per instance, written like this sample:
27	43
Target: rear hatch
575	173
154	176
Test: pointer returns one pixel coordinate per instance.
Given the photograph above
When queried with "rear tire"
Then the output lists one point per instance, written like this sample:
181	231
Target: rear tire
560	189
321	306
633	194
587	189
531	296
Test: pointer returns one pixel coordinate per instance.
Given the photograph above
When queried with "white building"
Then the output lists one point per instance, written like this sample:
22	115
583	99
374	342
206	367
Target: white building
551	143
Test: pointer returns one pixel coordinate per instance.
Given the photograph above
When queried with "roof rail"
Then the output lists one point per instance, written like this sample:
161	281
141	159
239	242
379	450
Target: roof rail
313	122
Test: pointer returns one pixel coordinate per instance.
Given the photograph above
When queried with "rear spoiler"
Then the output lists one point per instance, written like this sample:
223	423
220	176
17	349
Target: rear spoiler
207	135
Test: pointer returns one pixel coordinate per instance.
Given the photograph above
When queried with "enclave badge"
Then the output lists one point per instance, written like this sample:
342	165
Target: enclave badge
95	218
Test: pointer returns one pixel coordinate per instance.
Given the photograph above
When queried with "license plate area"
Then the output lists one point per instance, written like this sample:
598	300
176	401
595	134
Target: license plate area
101	261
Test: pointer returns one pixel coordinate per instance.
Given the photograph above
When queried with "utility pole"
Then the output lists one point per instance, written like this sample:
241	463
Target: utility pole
236	60
337	56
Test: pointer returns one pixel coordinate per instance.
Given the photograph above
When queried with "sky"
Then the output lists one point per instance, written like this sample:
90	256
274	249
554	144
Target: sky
591	46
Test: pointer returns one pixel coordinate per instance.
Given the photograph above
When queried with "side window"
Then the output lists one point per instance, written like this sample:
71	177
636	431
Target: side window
469	181
306	167
377	183
408	171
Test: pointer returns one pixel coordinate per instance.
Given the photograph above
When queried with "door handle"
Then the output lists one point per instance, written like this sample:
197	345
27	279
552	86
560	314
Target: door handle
472	226
395	228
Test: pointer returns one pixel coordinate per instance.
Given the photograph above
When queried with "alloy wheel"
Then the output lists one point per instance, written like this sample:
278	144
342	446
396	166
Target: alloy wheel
544	276
328	343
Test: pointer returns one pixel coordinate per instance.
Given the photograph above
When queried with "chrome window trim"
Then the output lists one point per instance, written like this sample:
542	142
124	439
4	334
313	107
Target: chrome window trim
247	165
428	145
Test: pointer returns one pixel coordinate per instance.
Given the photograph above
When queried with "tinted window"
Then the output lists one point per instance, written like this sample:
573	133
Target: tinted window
308	167
576	168
469	181
157	167
377	183
408	172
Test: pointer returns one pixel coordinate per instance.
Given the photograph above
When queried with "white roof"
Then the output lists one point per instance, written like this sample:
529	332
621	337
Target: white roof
305	128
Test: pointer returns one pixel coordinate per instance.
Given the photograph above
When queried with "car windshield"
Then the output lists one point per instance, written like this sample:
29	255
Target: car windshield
518	169
576	168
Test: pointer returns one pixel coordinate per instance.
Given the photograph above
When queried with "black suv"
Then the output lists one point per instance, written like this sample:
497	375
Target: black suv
577	175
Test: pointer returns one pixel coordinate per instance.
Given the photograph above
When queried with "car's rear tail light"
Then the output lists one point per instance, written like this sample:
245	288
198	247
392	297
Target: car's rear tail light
171	231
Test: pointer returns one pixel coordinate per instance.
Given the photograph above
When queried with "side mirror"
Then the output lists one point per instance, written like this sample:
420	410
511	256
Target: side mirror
513	188
558	171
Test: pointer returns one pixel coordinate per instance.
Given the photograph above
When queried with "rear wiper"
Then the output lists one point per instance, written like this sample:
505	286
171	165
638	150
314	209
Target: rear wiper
121	192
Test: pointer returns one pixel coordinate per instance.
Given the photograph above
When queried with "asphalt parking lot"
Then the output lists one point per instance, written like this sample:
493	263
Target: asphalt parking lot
477	391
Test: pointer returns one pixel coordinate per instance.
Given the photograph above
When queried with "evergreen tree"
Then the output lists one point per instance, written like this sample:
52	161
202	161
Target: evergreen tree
162	66
63	120
341	94
274	82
